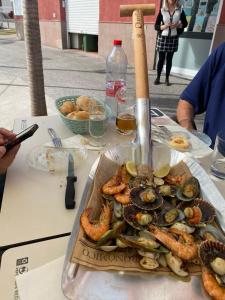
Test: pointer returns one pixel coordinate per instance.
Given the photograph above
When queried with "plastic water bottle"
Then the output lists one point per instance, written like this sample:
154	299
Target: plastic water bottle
116	69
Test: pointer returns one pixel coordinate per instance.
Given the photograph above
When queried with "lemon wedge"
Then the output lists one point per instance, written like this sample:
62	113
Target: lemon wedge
131	168
162	171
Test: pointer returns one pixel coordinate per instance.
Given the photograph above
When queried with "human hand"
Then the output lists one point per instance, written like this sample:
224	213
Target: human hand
5	136
176	25
165	26
6	158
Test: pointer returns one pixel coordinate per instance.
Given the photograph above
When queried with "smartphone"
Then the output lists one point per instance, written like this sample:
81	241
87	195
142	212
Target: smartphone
20	137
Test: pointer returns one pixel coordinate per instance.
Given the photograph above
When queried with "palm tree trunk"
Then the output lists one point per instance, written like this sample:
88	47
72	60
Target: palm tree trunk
34	57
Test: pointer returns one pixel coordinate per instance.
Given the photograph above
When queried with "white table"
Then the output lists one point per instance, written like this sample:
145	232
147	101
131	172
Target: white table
33	202
16	261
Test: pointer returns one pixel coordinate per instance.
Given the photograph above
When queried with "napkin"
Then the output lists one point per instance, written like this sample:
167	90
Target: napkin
43	283
76	141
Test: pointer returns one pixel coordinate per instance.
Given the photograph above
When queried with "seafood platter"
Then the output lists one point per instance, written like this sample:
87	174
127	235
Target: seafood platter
154	237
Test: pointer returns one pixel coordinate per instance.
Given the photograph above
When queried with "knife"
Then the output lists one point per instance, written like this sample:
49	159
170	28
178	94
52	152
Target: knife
70	188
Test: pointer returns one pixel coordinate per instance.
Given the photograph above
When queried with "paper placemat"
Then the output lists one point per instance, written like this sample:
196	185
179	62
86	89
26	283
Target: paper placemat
42	283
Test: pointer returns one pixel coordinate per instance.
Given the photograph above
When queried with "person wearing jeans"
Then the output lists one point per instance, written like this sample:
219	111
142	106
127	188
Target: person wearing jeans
170	23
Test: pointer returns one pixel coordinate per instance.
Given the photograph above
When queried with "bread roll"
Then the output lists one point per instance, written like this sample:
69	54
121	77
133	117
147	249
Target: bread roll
67	107
82	115
83	103
72	115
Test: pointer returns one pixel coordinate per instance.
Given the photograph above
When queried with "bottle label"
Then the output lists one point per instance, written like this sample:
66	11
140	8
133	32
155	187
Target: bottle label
113	86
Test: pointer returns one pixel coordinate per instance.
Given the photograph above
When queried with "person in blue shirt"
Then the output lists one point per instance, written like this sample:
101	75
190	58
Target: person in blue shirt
206	93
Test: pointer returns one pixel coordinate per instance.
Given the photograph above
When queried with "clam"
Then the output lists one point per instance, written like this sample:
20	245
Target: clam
136	217
149	263
212	255
218	266
146	198
208	212
108	197
183	227
168	217
117	209
209	232
111	234
167	190
144	241
108	248
189	190
120	244
148	254
162	260
175	264
158	181
138	242
136	182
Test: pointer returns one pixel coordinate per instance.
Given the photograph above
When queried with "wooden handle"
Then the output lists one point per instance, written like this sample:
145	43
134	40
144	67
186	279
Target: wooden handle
140	58
127	10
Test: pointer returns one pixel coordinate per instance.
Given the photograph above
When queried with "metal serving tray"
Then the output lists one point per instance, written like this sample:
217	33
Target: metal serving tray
82	283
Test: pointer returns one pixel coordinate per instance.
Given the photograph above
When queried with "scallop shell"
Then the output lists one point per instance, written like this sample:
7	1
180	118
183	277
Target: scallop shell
209	250
136	200
192	180
208	211
129	213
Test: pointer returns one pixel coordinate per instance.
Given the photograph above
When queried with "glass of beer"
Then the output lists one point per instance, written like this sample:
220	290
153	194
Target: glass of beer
125	114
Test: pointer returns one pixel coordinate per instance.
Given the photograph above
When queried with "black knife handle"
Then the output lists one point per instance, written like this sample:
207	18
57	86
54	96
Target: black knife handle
70	192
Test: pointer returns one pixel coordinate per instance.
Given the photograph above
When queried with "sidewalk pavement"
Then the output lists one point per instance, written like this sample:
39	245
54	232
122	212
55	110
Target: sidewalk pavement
66	72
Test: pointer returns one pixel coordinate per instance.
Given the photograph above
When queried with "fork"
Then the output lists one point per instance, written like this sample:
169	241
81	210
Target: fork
55	139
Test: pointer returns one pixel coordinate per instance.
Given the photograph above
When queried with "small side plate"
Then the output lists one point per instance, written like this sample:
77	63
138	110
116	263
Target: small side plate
50	159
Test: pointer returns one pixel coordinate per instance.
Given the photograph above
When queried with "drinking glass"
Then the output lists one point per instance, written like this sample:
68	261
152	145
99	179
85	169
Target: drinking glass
97	123
125	114
218	156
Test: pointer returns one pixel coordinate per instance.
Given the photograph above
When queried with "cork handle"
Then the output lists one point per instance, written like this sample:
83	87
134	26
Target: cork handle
140	57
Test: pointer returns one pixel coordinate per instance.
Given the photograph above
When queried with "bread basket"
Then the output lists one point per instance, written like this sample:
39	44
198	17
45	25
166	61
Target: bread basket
76	126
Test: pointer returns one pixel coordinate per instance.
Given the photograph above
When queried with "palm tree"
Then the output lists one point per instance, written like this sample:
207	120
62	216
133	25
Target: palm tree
34	57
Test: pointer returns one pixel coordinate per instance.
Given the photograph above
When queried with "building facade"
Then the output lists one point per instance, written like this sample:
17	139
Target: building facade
6	6
205	31
92	25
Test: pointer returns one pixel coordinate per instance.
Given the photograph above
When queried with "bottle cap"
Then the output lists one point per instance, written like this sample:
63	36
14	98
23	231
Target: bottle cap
117	42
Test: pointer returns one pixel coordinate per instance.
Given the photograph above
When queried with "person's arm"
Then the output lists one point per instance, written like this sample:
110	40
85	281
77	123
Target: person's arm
183	20
159	24
6	158
185	114
182	23
158	21
195	97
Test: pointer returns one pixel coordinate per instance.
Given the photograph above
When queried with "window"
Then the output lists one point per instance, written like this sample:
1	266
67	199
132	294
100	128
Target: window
201	15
